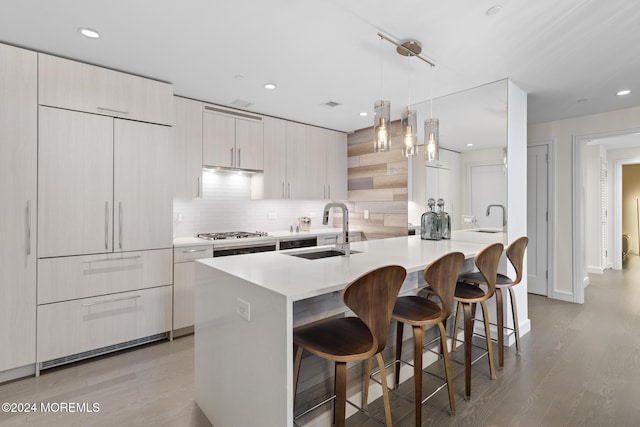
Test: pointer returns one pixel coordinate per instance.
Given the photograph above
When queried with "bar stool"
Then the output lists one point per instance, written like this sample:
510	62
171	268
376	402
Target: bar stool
515	254
468	295
441	276
371	297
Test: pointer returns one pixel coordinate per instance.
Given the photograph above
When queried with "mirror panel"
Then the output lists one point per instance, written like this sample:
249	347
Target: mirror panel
477	116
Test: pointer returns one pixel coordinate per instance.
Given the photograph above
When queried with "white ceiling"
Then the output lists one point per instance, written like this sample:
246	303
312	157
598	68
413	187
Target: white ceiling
327	50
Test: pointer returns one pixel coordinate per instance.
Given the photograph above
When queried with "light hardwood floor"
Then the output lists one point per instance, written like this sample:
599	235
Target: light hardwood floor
580	366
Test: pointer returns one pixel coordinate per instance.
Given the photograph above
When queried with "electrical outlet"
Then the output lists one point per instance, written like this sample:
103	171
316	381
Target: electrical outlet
243	308
366	214
273	215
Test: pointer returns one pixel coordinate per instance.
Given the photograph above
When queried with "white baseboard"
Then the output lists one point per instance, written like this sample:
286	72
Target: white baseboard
595	270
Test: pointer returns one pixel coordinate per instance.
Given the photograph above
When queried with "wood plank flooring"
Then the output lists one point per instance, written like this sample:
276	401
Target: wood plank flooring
580	366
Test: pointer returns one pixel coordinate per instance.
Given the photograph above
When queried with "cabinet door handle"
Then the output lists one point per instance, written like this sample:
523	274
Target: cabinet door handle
231	156
107	301
238	158
199	188
289	186
111	110
27	224
120	225
283	194
324	188
106	225
329	191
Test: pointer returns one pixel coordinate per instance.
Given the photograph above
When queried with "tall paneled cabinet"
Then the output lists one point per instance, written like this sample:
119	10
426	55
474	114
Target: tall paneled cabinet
18	144
105	210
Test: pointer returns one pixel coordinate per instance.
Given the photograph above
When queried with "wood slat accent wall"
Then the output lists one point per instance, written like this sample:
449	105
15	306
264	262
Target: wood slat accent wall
377	182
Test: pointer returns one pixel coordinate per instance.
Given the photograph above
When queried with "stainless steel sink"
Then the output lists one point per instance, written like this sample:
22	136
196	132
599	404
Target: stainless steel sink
325	253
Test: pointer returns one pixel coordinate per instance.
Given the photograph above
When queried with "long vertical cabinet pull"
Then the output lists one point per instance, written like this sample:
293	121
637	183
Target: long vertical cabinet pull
238	158
231	157
289	192
199	188
329	191
284	196
106	225
120	225
27	224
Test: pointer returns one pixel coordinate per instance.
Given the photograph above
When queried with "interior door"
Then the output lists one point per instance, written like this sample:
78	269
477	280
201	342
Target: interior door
537	219
488	186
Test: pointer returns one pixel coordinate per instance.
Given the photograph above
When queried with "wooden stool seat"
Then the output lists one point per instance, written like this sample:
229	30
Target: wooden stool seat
340	339
415	310
475	277
347	339
470	293
419	312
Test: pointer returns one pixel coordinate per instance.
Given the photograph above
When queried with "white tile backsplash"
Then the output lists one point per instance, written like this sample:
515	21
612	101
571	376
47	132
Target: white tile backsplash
226	205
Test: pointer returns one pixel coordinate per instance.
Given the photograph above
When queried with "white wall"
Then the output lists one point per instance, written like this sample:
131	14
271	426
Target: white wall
226	205
593	241
563	132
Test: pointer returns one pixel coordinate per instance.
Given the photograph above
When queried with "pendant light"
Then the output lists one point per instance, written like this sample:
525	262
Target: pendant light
381	116
431	132
409	121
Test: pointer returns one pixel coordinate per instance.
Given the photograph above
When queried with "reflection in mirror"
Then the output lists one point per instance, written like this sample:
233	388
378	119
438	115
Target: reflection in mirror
470	174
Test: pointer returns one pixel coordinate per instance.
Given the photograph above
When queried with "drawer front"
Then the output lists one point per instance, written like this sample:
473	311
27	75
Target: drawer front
63	279
72	327
191	253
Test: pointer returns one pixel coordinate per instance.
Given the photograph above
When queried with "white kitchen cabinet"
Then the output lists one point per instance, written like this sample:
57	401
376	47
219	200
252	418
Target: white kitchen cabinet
232	139
187	148
143	204
67	278
77	326
336	165
275	155
104	184
306	160
18	150
75	180
183	282
83	87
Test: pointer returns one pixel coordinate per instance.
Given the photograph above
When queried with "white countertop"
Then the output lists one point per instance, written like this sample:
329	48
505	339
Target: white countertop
299	278
273	236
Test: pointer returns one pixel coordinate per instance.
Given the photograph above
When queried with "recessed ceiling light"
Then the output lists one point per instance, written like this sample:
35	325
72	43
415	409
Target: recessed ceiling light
623	92
364	114
88	32
270	86
494	10
469	145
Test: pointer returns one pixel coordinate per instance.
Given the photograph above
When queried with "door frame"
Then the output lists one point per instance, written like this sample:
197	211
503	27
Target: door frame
551	233
617	207
580	278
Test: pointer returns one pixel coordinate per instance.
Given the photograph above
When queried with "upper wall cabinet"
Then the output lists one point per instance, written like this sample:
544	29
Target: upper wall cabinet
232	139
82	87
187	148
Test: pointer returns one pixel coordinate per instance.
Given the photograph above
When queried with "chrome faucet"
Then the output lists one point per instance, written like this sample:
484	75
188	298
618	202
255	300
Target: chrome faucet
504	219
344	246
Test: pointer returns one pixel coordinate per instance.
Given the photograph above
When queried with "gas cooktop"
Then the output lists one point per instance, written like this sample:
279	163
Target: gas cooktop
231	235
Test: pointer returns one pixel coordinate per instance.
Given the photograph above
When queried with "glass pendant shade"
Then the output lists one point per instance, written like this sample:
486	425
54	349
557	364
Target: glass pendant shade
381	119
432	140
409	125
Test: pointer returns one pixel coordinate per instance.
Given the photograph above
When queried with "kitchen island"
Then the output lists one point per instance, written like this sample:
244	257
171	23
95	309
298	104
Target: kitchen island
247	306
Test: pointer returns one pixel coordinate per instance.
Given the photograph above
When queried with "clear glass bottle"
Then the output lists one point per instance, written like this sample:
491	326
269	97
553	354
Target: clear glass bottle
430	223
445	220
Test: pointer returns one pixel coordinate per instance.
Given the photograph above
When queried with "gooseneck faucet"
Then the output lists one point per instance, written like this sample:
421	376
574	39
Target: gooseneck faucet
504	219
344	246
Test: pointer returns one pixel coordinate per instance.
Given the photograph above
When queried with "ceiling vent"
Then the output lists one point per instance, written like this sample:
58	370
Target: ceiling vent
331	104
241	103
